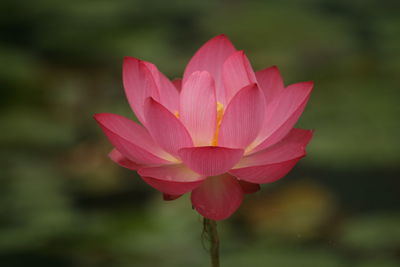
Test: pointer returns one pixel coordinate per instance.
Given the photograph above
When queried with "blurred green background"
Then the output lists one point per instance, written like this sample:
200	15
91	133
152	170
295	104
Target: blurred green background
64	203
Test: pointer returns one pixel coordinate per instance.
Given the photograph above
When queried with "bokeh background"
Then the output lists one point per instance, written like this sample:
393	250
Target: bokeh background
64	203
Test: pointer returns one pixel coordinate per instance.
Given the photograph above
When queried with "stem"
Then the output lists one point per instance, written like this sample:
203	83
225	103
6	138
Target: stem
210	229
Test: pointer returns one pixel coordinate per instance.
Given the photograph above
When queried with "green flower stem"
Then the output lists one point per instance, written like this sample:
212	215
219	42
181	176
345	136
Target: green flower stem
210	229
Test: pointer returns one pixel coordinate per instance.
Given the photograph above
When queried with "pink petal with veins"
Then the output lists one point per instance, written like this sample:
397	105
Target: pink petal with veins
167	130
198	107
132	140
169	95
210	57
243	118
123	161
210	160
236	74
284	112
218	197
271	83
139	84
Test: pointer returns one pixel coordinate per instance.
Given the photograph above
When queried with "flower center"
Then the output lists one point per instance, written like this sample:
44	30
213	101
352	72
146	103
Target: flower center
220	113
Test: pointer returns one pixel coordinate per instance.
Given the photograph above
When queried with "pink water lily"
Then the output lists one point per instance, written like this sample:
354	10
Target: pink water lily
218	133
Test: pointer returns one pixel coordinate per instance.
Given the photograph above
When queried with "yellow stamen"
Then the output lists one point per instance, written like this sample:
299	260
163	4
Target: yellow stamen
220	113
176	113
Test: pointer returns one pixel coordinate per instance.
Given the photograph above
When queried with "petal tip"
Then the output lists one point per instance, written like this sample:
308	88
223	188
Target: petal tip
128	59
96	116
167	197
274	68
99	117
111	154
309	84
251	87
305	87
221	36
140	172
150	101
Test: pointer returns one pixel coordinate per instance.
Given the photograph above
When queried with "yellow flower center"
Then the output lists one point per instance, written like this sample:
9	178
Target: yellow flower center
220	113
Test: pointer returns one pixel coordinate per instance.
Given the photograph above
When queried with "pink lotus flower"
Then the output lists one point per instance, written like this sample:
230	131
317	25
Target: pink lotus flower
219	133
